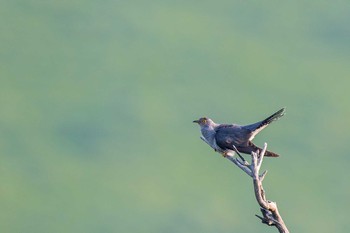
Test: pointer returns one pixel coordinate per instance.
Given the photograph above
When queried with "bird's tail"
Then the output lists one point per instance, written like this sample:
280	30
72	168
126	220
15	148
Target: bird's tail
277	115
257	127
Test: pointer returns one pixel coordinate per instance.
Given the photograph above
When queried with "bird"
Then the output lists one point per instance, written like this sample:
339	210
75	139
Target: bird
229	139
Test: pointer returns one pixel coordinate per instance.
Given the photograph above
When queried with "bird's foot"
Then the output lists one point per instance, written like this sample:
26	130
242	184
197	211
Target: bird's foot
225	154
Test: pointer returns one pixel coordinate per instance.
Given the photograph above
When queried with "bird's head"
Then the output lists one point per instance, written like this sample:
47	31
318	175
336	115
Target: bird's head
204	121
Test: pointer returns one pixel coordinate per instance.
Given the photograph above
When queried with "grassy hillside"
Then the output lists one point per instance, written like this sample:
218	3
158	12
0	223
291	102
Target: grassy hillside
98	97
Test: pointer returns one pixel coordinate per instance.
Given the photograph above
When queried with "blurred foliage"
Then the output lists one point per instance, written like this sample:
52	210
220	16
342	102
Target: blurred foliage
97	100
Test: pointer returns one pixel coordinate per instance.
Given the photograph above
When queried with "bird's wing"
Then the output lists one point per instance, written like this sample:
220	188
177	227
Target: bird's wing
228	135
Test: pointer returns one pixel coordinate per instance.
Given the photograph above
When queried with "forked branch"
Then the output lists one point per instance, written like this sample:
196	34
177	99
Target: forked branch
269	210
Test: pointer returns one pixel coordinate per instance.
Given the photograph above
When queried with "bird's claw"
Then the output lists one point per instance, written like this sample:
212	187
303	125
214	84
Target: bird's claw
224	155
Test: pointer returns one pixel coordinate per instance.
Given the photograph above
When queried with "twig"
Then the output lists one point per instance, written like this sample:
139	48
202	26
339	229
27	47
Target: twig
269	210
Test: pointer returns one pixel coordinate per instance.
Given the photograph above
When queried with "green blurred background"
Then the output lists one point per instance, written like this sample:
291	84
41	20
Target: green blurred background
98	98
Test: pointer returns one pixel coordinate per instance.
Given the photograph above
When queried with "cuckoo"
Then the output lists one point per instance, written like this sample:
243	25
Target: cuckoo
228	139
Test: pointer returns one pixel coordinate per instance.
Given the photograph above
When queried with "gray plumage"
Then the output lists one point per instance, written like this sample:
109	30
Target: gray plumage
227	138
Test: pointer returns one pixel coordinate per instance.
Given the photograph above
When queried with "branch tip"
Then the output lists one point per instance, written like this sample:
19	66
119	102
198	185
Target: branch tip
262	176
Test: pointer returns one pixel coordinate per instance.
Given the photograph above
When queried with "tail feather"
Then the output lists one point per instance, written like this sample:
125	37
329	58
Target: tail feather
277	115
257	127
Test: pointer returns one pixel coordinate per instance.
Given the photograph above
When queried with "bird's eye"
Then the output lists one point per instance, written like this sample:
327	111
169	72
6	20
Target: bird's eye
204	120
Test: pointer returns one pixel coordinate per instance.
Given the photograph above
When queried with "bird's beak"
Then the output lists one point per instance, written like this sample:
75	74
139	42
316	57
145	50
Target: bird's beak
196	121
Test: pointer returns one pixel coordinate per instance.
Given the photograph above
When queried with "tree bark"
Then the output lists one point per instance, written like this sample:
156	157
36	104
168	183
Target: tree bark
270	214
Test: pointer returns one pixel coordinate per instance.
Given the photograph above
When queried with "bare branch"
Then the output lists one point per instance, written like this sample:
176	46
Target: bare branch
262	176
239	164
269	210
